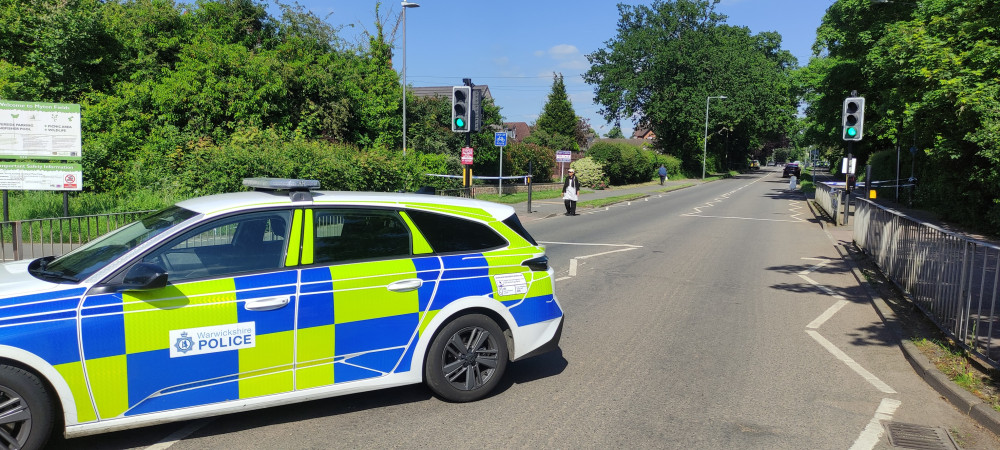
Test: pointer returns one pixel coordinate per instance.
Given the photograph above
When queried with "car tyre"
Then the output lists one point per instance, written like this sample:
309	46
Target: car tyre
466	359
25	409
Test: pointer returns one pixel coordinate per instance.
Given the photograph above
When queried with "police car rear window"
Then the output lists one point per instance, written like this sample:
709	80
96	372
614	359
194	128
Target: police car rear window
515	224
448	234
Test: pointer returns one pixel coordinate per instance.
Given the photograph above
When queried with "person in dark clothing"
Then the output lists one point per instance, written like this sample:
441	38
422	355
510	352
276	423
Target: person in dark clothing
663	174
571	190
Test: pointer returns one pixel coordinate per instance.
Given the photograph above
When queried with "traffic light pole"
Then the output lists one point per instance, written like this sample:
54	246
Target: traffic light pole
847	181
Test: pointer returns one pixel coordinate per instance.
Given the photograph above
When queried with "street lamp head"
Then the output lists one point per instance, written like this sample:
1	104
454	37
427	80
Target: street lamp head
406	4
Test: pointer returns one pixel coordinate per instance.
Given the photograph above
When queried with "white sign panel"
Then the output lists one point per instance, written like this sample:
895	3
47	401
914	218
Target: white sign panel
563	156
36	130
26	176
848	166
511	284
220	338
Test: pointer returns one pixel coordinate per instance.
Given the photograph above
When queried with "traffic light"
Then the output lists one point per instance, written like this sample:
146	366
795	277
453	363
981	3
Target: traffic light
461	109
854	118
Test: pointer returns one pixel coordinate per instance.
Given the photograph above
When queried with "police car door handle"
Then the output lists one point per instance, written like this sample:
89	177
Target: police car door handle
267	304
405	285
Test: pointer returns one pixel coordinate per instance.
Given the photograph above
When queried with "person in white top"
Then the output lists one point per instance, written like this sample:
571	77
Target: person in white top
571	189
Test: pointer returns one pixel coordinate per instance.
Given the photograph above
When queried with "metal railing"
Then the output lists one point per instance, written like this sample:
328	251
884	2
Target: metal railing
953	279
29	239
831	200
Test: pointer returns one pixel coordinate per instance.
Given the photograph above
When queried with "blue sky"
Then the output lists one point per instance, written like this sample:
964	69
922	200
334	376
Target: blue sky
516	45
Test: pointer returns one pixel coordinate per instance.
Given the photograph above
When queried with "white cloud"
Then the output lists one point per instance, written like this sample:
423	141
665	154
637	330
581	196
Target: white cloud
564	51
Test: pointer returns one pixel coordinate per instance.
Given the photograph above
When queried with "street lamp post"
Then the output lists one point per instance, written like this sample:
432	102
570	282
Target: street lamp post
405	4
704	151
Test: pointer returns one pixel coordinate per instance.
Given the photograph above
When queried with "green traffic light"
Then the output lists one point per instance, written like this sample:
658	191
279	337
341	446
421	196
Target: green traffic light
459	123
851	132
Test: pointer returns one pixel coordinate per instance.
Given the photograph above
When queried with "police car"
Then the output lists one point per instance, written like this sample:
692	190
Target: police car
254	299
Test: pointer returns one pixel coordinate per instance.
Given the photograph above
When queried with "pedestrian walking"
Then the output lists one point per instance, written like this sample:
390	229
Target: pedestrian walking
663	174
571	189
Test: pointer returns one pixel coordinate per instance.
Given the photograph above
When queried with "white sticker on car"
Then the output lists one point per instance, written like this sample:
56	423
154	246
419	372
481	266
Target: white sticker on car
511	284
214	339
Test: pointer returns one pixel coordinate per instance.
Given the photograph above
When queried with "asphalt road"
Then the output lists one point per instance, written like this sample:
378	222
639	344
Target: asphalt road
717	316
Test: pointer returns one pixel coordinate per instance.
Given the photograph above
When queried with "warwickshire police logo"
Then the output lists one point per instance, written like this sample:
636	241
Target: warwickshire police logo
212	339
184	343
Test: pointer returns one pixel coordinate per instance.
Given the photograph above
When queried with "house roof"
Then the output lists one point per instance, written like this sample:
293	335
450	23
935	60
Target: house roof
521	130
642	133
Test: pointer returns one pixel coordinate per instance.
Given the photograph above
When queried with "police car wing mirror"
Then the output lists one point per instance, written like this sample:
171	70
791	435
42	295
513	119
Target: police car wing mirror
144	277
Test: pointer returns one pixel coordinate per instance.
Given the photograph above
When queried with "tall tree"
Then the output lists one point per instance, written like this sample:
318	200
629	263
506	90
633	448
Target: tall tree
669	57
558	118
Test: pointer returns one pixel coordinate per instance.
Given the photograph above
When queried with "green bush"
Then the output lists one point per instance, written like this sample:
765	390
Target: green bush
590	173
623	163
672	163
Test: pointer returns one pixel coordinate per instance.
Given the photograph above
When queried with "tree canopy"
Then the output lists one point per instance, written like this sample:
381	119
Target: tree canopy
669	57
929	74
161	81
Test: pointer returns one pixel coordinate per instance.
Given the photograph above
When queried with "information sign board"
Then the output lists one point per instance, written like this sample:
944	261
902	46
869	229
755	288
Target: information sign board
564	156
28	176
467	156
37	130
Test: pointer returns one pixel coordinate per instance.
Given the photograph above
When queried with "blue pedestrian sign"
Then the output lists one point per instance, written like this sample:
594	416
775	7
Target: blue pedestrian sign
500	139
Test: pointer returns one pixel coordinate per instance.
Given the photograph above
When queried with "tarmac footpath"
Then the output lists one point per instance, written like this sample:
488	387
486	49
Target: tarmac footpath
551	207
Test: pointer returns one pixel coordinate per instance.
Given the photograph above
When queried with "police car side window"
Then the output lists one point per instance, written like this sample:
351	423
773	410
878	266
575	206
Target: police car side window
236	244
356	233
452	234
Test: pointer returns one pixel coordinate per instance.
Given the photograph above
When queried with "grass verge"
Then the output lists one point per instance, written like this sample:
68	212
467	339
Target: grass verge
523	196
963	368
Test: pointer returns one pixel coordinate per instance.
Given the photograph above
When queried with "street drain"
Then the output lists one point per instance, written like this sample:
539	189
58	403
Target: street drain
908	435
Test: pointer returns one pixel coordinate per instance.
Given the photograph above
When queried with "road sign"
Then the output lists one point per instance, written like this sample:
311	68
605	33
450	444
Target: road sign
500	139
849	165
564	156
467	156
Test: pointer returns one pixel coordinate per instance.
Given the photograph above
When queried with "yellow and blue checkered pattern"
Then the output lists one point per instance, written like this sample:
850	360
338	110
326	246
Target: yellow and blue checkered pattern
341	325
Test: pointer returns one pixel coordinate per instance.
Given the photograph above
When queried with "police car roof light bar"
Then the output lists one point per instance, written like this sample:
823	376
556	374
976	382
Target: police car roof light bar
276	184
298	190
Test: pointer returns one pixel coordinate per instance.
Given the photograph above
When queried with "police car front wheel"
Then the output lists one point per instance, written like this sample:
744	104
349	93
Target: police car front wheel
466	359
25	410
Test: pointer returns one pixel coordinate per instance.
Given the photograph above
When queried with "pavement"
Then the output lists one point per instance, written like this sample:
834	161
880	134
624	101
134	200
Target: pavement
966	402
842	238
544	209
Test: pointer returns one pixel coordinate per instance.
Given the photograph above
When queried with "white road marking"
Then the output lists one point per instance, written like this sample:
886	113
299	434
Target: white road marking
585	243
873	432
179	435
825	289
826	315
573	262
795	205
816	267
740	218
836	352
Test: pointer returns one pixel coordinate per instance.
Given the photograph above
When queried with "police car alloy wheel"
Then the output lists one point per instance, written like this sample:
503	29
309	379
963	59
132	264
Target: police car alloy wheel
25	410
467	359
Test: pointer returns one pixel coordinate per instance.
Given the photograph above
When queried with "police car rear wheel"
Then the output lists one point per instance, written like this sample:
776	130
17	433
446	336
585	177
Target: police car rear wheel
25	410
466	359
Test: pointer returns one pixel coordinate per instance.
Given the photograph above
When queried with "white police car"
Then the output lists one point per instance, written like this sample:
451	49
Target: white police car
254	299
